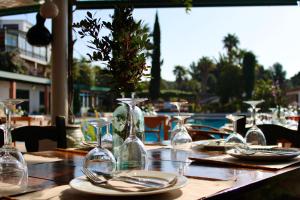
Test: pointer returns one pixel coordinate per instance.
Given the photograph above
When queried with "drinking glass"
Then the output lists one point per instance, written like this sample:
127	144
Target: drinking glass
106	139
180	160
180	138
120	123
234	139
99	159
254	135
13	168
132	154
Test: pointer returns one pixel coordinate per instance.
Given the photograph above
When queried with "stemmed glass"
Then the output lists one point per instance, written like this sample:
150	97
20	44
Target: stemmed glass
180	138
132	154
254	135
99	159
106	139
13	168
234	139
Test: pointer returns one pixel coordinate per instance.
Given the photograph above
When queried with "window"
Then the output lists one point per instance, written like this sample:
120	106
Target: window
42	98
11	40
11	26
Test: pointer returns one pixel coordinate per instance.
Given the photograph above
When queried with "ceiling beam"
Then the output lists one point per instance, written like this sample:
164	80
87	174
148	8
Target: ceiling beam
104	4
19	10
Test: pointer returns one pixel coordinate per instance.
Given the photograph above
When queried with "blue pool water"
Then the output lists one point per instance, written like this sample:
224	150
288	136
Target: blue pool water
208	121
212	122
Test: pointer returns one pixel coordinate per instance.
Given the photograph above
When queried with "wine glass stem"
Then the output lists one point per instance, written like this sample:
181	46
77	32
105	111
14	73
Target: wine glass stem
7	133
99	136
131	121
253	115
107	129
235	126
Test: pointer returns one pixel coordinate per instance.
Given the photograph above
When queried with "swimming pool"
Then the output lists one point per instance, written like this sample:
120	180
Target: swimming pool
215	122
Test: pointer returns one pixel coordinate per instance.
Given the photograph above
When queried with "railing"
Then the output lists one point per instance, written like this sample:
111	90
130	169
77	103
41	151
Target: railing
26	53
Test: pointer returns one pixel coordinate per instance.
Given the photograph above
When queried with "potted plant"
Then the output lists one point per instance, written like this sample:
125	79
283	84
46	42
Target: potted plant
124	50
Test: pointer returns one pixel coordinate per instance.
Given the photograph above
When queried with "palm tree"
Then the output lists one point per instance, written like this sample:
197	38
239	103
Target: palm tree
180	74
205	66
231	42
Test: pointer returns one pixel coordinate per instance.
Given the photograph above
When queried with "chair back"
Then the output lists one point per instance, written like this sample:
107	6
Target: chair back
156	124
275	134
202	132
31	135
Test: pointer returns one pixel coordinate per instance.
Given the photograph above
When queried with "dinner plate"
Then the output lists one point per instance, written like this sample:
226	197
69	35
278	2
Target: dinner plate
83	185
212	144
269	156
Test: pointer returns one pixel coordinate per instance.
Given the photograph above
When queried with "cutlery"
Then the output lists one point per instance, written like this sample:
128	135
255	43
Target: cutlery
98	181
159	182
249	151
92	177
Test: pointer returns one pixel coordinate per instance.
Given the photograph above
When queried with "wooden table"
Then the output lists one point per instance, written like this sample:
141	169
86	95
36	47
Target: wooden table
28	119
250	183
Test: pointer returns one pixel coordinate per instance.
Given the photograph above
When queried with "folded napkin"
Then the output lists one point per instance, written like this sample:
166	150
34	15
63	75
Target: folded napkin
119	183
227	160
33	159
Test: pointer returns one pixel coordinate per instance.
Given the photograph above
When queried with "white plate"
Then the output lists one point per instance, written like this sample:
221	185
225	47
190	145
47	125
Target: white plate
83	185
260	156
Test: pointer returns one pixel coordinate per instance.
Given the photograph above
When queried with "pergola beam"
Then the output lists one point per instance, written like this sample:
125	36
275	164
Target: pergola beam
105	4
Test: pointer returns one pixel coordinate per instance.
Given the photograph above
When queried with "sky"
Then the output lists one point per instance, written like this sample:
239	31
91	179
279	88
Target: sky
271	33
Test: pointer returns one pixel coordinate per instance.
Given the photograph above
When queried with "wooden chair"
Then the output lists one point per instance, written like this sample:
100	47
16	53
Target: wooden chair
156	124
31	135
276	134
202	132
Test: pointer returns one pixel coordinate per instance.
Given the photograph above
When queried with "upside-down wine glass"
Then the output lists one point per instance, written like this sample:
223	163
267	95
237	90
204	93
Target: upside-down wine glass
99	159
180	138
254	135
234	139
106	139
132	154
13	168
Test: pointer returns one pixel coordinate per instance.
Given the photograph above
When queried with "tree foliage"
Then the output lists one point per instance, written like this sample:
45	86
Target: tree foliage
278	74
263	90
181	75
229	85
125	48
10	61
231	42
82	72
205	66
154	88
262	74
249	63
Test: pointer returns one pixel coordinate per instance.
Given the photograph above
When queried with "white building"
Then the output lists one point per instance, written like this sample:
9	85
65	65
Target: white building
293	96
35	86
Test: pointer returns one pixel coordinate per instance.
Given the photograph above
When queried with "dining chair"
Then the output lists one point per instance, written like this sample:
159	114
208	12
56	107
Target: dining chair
31	135
202	132
156	125
276	134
